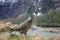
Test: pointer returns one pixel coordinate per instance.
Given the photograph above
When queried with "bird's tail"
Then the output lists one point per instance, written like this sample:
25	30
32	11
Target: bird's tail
11	30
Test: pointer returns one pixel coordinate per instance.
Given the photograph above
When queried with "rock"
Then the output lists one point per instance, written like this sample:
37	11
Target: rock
33	31
54	31
15	33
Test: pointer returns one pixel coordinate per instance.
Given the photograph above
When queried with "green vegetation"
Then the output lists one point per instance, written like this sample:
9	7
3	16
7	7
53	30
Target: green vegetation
50	19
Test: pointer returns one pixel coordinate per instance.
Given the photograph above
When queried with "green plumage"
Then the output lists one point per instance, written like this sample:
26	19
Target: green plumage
21	19
24	23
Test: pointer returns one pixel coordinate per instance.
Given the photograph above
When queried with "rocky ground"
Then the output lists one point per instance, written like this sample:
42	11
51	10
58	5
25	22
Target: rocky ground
6	36
34	33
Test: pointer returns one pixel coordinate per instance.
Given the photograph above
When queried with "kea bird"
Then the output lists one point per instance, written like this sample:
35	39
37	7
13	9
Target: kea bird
24	26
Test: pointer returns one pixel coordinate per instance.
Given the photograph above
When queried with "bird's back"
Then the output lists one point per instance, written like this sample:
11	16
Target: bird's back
24	26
